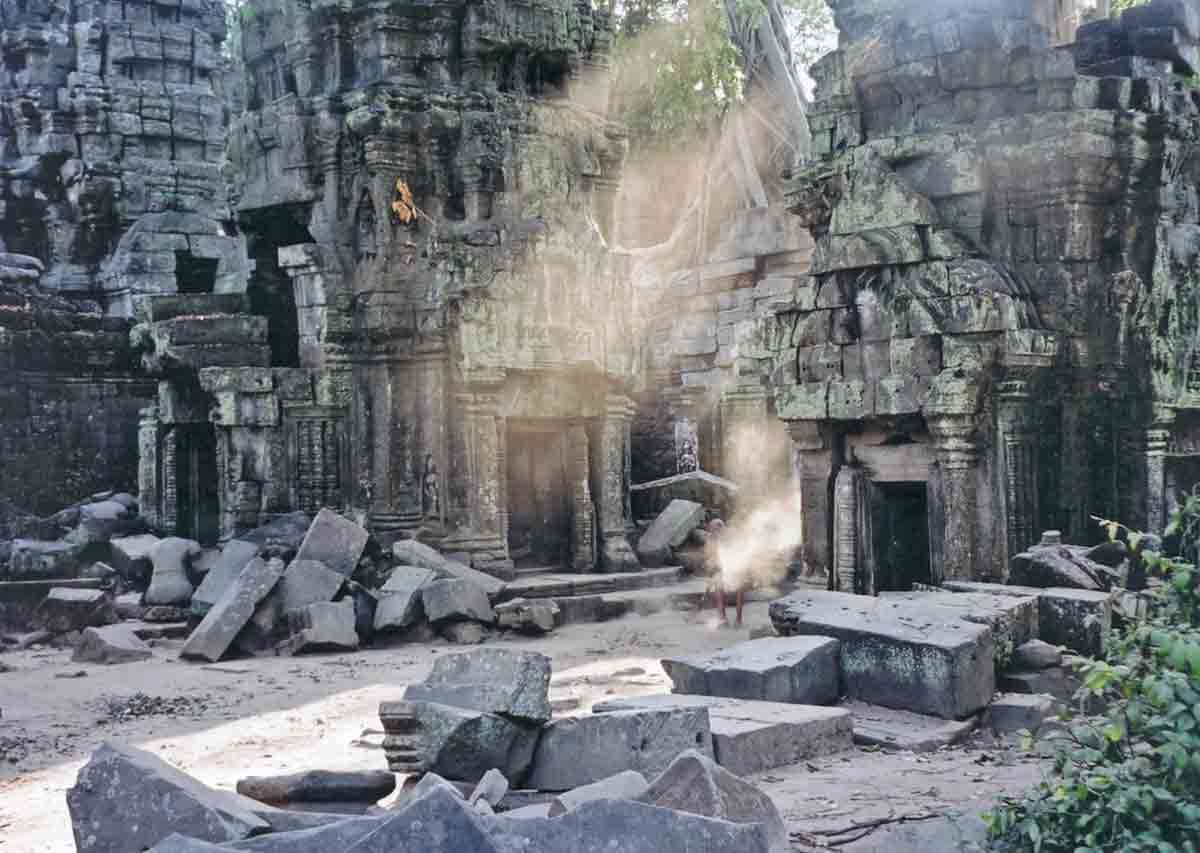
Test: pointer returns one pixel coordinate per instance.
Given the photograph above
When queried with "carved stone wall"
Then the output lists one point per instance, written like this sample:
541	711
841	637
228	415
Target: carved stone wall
1001	271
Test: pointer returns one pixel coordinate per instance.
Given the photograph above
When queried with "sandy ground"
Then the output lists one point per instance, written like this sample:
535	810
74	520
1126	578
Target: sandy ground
281	715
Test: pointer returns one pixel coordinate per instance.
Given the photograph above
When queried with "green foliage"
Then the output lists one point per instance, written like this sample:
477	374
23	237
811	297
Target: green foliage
1130	779
1119	6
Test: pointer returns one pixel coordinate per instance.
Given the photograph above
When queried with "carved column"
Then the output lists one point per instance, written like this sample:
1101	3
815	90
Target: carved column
1019	460
958	458
813	463
148	467
611	464
1144	498
583	510
744	441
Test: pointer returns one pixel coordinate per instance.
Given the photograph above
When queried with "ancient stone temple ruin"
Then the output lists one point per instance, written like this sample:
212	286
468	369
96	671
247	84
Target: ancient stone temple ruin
998	333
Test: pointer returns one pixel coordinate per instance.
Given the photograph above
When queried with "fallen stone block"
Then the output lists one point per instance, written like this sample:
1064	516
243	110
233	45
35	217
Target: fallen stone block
491	788
1060	682
110	644
1013	619
235	556
696	784
802	670
669	530
626	785
67	609
464	633
901	654
1055	565
577	751
324	627
457	743
751	737
366	786
335	541
498	681
125	799
891	728
131	556
169	585
1035	655
624	826
457	600
410	552
530	811
129	605
101	521
303	582
282	536
1078	619
216	632
536	616
1016	712
32	559
399	603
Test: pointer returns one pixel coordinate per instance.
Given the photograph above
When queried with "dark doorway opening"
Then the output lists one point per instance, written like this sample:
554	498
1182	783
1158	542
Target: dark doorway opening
270	288
195	275
539	501
901	522
199	506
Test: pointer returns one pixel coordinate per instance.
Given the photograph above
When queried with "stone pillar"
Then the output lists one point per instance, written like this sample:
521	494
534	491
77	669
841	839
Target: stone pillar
1019	460
583	510
611	464
744	441
148	467
845	530
954	438
1144	497
813	463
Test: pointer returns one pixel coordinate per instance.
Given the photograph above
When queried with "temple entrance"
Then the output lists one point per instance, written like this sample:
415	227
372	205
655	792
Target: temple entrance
199	506
539	499
901	527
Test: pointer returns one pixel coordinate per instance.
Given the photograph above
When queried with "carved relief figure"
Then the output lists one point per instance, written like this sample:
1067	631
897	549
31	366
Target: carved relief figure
431	498
687	456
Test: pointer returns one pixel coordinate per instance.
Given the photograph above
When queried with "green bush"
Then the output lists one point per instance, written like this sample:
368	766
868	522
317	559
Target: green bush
1128	780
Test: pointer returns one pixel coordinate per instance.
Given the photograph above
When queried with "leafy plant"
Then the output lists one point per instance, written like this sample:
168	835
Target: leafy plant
1129	780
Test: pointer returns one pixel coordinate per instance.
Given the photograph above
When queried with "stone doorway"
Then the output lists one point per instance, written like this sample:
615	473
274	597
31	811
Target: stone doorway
539	495
198	508
901	525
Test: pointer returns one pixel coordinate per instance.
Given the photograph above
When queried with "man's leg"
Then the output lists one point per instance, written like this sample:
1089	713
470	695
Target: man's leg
741	601
721	603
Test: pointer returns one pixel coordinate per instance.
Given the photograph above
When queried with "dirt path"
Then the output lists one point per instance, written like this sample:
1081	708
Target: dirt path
280	715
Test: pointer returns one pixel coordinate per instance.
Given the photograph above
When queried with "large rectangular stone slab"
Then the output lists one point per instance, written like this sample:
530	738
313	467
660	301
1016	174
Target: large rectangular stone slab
499	681
1013	619
669	531
221	625
304	582
909	655
235	554
400	598
131	555
410	552
1078	619
577	751
335	541
803	670
751	737
891	728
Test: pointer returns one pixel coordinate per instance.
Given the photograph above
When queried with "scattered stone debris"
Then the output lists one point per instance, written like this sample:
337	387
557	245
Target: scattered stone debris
120	709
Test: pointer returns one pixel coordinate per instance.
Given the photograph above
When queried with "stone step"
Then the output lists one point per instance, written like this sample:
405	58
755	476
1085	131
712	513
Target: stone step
889	728
557	585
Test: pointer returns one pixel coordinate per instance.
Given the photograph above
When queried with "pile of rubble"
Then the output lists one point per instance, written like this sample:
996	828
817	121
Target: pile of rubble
468	737
297	584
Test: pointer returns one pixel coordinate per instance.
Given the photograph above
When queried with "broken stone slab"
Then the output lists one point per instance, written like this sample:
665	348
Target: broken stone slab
111	644
216	632
491	788
131	556
457	743
528	616
577	751
169	584
67	609
126	799
751	737
696	784
129	605
464	633
626	785
304	582
335	541
801	670
1013	619
499	681
101	521
235	556
1060	682
330	786
282	536
400	603
1078	619
457	600
669	530
530	811
902	654
1036	654
1055	566
324	627
410	552
34	558
1011	713
890	728
625	826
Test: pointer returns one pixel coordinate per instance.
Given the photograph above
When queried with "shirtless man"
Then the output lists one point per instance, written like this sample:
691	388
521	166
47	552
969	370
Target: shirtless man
717	581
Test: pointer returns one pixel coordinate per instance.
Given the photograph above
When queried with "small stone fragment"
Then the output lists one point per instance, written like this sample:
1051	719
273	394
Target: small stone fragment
458	600
1015	712
1036	655
110	644
68	609
626	785
321	786
491	788
464	633
528	616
